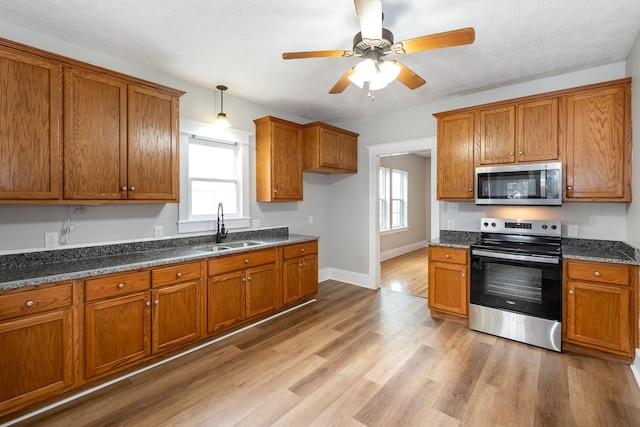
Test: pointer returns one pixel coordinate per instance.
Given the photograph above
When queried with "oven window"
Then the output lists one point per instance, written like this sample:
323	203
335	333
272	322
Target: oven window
510	281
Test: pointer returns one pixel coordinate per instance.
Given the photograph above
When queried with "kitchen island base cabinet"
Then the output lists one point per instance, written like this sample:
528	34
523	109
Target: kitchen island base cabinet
36	345
448	290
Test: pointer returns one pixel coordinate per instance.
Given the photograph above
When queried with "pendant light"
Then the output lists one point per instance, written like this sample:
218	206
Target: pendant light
222	122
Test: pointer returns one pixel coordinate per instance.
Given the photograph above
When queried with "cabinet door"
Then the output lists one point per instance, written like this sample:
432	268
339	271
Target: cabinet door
152	170
330	148
309	275
598	316
286	162
30	115
598	154
95	136
260	290
225	301
448	288
36	357
291	280
176	315
537	131
349	153
117	333
497	135
455	157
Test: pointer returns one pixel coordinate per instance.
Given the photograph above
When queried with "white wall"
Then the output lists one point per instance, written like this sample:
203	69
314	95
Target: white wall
417	195
632	234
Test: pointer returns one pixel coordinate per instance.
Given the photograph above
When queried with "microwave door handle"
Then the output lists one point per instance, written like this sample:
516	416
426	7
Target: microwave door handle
543	184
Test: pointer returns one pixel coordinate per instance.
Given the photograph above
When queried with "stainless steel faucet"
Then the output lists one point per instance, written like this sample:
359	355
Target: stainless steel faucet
221	234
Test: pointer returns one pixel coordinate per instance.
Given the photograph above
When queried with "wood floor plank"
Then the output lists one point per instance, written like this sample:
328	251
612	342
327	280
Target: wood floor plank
359	357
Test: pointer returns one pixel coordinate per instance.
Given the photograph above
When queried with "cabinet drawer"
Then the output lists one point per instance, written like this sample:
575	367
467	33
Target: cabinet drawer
300	249
442	254
35	301
115	286
175	274
220	265
615	274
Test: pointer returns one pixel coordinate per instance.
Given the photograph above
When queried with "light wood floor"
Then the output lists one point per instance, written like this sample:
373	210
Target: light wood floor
406	273
359	357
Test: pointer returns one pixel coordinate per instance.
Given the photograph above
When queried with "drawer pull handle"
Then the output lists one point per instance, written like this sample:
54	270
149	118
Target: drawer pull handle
447	256
571	292
179	274
597	274
29	303
121	285
246	261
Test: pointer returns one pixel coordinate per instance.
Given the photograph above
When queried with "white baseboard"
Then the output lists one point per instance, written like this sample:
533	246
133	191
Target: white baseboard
350	277
392	253
635	368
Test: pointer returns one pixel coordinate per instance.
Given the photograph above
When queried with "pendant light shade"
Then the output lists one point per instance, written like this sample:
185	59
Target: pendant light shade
221	121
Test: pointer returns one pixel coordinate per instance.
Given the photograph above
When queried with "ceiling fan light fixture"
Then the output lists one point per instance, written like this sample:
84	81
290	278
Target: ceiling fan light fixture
379	75
222	122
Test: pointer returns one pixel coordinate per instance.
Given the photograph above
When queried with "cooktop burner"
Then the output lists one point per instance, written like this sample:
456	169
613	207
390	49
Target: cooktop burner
541	237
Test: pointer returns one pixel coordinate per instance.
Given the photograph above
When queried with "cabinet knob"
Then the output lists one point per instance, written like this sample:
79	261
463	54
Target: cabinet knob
470	190
520	153
148	303
300	265
569	188
179	275
447	256
511	153
302	250
120	285
132	188
244	279
246	261
29	303
463	275
249	278
156	302
597	274
571	292
124	188
275	191
304	264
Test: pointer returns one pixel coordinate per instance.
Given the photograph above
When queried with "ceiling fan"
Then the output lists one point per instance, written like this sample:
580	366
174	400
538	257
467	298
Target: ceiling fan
373	43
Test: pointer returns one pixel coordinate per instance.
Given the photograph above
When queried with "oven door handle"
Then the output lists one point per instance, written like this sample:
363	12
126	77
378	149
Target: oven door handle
516	257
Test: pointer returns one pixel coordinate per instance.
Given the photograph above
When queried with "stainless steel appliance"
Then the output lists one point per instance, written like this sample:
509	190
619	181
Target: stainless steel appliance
516	281
522	184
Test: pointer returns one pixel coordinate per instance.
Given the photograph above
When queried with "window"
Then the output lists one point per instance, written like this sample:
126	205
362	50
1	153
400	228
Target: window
393	199
213	170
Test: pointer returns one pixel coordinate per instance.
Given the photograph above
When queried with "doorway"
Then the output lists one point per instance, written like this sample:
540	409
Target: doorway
375	151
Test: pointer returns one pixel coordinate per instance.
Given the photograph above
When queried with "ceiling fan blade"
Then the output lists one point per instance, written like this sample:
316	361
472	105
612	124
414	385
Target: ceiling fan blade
409	78
370	18
316	54
436	41
342	84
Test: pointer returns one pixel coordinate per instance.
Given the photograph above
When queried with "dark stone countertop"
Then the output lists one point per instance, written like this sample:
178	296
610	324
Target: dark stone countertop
580	249
35	268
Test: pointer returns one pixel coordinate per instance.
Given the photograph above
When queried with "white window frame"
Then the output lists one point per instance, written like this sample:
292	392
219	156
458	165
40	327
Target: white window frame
386	205
202	133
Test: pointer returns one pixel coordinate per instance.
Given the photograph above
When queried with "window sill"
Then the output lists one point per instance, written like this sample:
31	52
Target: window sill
394	231
194	226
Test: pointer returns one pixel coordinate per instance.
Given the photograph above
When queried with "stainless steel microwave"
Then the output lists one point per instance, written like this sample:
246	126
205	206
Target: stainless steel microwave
521	184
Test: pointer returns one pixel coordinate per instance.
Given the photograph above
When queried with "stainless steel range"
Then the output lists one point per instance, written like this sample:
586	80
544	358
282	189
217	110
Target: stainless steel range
516	281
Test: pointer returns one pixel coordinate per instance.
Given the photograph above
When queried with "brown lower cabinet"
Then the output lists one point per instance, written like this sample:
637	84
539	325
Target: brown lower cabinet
54	338
36	345
448	290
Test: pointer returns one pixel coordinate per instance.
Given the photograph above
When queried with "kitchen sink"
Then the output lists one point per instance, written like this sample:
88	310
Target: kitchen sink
218	248
244	244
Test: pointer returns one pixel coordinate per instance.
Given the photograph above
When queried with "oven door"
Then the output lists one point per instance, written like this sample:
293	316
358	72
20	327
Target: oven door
526	284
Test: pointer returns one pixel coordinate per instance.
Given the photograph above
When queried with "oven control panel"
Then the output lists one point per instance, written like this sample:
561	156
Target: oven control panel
534	227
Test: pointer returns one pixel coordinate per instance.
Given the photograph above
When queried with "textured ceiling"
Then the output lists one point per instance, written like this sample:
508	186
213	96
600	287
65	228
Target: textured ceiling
239	43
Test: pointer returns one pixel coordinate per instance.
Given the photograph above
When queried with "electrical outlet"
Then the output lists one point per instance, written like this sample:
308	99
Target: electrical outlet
51	239
572	231
158	231
310	219
450	224
257	223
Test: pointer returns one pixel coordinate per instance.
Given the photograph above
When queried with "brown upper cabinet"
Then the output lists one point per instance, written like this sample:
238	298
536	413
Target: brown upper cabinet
523	132
30	114
328	149
598	144
588	128
120	133
278	160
